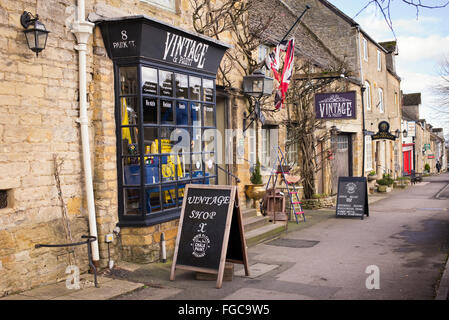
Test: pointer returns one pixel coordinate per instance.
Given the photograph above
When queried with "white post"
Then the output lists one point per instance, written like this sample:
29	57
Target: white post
82	30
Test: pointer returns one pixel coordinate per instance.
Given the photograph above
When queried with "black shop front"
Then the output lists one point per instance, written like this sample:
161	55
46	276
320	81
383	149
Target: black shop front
165	102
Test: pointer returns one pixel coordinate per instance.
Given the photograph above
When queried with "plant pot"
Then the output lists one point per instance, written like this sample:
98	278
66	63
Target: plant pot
371	178
382	188
255	191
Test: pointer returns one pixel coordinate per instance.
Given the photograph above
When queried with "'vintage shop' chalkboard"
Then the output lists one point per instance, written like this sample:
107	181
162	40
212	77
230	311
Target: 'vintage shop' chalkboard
352	197
210	231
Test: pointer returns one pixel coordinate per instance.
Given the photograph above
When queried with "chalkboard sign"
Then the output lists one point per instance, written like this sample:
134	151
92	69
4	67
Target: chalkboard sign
210	231
352	198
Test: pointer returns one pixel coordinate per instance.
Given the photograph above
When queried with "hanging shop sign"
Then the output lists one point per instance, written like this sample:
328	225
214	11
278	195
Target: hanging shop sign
140	36
430	156
384	132
210	231
411	131
352	197
336	105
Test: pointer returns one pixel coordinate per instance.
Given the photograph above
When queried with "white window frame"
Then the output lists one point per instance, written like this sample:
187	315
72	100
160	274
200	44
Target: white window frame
368	95
365	49
381	100
265	148
368	153
379	61
252	147
169	5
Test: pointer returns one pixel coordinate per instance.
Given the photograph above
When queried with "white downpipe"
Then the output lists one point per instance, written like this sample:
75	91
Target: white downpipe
82	30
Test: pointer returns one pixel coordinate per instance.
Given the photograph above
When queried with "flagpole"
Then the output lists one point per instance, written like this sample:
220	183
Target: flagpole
302	14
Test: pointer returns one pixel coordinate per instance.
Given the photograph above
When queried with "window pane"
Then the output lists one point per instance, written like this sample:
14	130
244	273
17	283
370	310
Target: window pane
166	83
184	166
196	140
209	164
181	188
130	141
128	80
152	170
149	110
208	116
149	79
166	111
181	113
195	113
153	199
131	171
129	111
208	88
131	201
169	199
171	166
195	88
166	135
181	86
197	166
150	141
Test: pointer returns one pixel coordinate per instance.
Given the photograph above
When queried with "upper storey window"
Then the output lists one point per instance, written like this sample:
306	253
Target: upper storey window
379	61
165	4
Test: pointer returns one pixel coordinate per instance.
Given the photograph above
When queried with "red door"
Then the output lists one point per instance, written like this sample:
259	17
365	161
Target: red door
407	161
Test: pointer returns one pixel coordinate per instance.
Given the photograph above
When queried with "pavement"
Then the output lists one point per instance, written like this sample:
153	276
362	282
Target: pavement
399	252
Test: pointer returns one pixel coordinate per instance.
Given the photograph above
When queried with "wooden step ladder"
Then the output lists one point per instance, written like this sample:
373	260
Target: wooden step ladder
281	167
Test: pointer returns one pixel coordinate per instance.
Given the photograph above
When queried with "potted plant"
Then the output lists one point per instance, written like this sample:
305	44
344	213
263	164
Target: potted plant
385	183
372	175
256	190
427	167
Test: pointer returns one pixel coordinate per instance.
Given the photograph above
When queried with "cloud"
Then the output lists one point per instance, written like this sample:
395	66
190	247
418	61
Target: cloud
412	49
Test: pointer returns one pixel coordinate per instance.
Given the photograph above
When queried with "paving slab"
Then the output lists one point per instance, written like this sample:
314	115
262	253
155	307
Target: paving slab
108	288
256	270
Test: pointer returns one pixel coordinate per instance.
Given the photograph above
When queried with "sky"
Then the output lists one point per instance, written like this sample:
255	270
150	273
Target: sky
423	40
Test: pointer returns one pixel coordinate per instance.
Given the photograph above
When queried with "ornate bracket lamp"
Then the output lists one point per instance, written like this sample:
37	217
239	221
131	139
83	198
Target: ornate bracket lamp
36	35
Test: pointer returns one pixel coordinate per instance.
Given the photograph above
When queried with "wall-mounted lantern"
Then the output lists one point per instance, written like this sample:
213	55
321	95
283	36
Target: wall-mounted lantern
257	85
35	32
397	133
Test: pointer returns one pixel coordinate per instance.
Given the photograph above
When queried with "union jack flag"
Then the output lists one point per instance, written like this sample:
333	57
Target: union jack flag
272	62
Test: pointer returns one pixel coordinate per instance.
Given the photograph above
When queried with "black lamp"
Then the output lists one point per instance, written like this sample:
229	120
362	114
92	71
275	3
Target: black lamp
257	84
404	133
36	35
397	133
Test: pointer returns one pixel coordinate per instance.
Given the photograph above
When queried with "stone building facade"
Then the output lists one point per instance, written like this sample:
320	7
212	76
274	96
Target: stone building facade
371	68
39	122
39	100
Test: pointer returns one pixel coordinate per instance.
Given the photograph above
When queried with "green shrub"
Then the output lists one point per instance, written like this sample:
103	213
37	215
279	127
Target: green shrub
256	177
427	167
386	180
319	195
372	173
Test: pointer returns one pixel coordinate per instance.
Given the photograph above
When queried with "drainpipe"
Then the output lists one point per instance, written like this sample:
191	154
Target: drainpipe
82	30
359	51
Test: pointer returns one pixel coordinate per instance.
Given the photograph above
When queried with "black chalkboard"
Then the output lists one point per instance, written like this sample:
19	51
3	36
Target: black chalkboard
210	231
352	197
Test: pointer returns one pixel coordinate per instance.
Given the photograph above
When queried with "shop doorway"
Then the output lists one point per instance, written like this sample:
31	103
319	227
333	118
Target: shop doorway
408	162
342	162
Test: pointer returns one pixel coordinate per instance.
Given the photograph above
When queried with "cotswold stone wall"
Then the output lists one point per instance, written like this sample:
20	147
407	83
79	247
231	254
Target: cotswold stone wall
38	118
